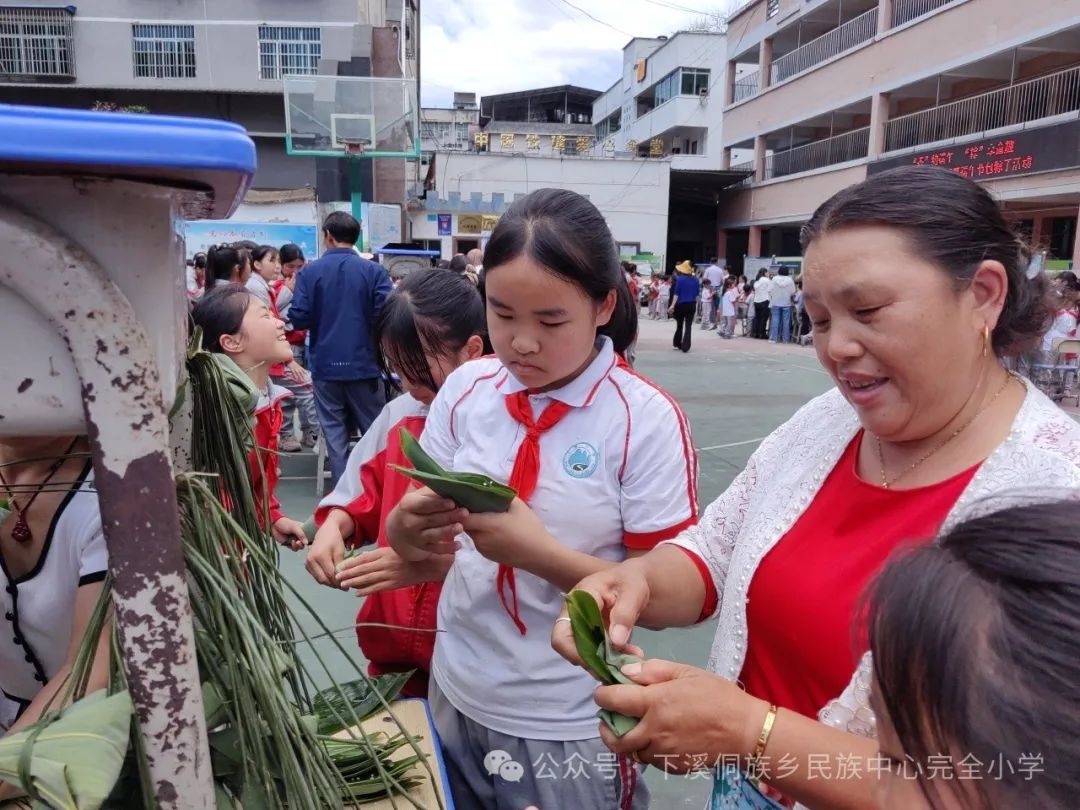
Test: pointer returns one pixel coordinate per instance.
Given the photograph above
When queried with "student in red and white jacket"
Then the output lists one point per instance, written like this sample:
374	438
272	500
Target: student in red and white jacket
428	327
238	325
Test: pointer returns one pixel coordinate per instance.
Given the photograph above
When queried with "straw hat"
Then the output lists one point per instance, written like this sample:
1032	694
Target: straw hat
685	268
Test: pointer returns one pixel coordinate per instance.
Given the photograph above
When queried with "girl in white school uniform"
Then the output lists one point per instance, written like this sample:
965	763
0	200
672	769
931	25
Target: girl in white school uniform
585	442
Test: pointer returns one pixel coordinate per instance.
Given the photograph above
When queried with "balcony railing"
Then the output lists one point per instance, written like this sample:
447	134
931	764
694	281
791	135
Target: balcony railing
904	11
819	154
747	86
847	36
746	166
1054	94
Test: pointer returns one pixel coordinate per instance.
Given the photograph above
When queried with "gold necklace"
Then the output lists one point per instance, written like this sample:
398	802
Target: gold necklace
887	483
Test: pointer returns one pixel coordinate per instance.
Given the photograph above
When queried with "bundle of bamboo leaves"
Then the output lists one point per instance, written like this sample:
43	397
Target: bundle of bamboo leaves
276	743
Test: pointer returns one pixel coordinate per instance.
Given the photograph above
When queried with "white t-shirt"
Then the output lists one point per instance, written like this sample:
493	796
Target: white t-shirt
762	289
716	276
782	291
258	286
1064	326
730	297
618	471
38	607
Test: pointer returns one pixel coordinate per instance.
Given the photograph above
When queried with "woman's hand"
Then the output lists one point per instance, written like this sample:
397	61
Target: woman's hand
516	537
289	532
622	592
689	718
327	550
423	524
382	569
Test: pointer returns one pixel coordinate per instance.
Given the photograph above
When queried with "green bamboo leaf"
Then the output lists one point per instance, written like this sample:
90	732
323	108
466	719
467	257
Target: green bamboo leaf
418	456
596	651
489	496
76	759
351	703
474	491
587	625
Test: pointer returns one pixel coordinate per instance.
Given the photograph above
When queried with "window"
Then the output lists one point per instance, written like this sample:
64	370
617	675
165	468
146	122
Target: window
683	81
609	126
163	51
695	82
771	9
667	88
36	42
289	50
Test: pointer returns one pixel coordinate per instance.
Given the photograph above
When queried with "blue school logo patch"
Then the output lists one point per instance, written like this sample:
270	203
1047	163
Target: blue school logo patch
581	460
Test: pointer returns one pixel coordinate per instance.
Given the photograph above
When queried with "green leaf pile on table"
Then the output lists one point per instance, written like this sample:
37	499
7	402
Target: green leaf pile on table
276	742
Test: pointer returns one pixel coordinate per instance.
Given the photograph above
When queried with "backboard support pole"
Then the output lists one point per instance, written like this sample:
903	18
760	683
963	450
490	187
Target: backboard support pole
356	189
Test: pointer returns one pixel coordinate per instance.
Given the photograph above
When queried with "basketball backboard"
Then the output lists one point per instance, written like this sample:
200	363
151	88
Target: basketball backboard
361	116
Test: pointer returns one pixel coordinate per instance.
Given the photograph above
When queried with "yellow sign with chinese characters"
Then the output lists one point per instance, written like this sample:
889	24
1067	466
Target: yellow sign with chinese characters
656	148
480	140
506	141
488	224
631	145
583	143
533	142
558	143
470	223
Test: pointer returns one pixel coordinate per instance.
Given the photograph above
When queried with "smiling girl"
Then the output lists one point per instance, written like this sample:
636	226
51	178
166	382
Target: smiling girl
604	468
238	325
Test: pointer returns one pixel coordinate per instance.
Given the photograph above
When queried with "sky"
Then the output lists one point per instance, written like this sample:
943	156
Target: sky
501	46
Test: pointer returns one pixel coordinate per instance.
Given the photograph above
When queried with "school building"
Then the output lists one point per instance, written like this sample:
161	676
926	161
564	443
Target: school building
827	92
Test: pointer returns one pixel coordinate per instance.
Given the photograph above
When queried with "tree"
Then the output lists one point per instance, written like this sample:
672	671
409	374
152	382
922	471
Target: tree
712	22
111	106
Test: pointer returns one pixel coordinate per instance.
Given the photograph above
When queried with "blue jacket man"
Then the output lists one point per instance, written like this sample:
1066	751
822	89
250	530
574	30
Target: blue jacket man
337	299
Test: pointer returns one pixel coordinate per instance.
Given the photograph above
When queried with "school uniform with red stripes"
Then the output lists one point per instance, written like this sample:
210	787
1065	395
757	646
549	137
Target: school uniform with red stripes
263	458
607	464
368	491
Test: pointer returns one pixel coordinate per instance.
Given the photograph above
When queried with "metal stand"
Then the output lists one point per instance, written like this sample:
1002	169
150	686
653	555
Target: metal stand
128	431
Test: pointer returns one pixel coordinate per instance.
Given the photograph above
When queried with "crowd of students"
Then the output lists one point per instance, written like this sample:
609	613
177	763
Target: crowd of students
971	643
269	274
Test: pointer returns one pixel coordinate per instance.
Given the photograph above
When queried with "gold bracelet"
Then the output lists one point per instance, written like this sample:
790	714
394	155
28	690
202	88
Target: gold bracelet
754	766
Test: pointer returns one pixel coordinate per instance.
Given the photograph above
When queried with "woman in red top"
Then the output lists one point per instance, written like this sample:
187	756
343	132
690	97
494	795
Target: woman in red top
917	289
238	325
430	325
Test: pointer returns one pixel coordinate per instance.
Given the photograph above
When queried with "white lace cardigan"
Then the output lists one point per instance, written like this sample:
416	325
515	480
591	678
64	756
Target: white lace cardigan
781	479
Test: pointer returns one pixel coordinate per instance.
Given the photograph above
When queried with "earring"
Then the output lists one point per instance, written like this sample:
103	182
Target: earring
986	341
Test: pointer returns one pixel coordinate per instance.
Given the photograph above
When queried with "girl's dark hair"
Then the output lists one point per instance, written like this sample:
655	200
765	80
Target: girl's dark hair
565	233
199	261
262	251
220	312
1069	281
976	650
221	260
762	273
953	223
429	309
459	263
290	253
